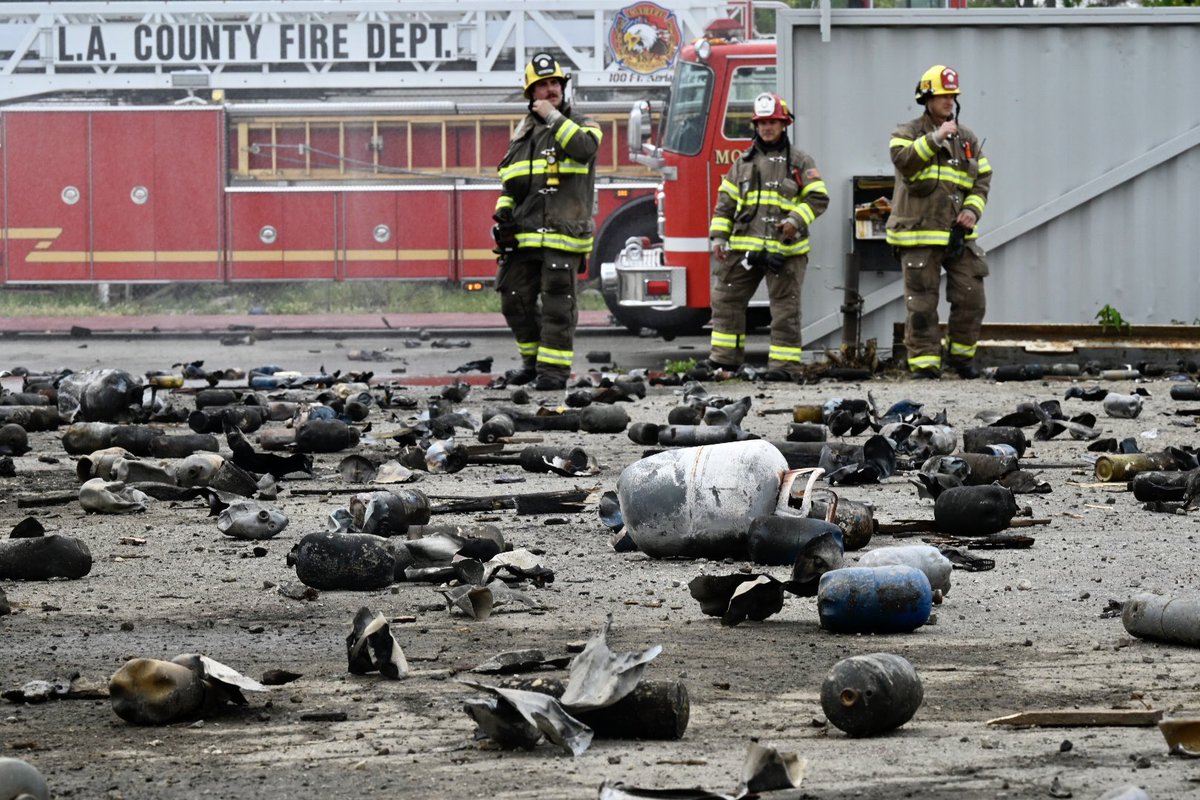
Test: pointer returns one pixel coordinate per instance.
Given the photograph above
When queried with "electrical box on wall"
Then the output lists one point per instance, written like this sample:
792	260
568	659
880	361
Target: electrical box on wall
871	203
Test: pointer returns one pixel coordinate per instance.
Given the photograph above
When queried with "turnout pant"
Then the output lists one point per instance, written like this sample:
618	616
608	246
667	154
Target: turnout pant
732	286
964	291
537	298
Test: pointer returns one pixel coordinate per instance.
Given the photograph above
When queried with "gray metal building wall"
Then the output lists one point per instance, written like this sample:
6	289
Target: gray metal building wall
1091	120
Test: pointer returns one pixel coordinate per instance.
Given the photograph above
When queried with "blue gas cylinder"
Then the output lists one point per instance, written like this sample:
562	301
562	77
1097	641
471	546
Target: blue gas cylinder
891	599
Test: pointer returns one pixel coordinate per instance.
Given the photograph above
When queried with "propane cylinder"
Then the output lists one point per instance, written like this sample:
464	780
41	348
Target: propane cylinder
808	412
925	557
1122	406
694	502
40	558
700	435
603	419
1165	618
894	599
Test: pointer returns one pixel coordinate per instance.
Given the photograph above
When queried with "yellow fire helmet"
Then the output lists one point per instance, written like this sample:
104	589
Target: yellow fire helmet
541	67
937	80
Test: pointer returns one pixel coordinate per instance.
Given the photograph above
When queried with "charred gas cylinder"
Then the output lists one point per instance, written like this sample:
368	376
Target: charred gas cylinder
644	433
356	561
1152	486
974	510
871	694
777	541
976	440
806	432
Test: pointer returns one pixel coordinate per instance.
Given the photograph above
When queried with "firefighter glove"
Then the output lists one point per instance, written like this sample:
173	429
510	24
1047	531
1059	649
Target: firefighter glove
757	258
775	263
505	236
956	246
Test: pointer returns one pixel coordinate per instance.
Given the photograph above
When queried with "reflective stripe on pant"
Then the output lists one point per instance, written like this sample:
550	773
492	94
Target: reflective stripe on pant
964	290
535	274
732	286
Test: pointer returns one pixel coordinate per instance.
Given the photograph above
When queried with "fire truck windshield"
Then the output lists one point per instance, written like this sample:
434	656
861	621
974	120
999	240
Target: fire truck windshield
687	112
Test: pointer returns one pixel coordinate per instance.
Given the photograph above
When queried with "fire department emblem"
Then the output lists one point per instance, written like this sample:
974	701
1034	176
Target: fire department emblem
644	37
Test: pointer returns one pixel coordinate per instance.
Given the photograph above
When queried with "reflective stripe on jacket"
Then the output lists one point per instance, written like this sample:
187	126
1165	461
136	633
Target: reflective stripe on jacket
548	180
760	191
934	183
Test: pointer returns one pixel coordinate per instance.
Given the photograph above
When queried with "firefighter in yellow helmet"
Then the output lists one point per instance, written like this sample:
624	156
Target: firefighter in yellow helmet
759	228
544	225
942	183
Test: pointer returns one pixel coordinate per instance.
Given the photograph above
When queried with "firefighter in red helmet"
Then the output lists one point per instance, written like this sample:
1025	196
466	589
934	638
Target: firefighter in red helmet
544	225
759	229
942	184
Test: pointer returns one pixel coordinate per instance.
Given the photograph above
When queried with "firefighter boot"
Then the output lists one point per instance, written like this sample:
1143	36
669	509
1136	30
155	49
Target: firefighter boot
926	374
964	367
779	374
521	376
547	382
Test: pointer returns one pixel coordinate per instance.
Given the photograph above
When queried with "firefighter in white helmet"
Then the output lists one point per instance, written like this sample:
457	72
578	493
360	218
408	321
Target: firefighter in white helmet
942	183
544	225
759	228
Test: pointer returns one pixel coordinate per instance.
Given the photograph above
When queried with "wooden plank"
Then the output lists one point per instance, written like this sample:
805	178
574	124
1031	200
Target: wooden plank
1081	718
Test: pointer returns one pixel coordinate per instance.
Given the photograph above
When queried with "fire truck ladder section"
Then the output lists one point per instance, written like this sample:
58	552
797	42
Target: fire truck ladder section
58	48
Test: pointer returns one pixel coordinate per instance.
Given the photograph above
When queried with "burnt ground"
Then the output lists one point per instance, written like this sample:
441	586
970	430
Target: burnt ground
1028	635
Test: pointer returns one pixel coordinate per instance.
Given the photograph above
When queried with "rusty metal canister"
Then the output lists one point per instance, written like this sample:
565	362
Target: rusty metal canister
856	520
871	694
808	412
1123	466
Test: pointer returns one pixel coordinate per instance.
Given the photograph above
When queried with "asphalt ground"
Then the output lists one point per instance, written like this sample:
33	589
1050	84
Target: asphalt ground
1032	634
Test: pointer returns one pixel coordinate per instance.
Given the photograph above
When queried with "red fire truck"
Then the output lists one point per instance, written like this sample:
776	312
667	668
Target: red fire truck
263	192
660	278
362	144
